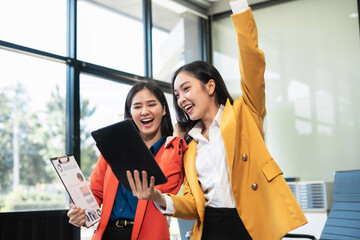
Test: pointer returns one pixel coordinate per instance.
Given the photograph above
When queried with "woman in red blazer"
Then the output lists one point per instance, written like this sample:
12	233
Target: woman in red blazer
146	105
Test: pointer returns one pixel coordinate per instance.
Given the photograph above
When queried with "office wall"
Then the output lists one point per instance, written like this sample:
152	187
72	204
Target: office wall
312	50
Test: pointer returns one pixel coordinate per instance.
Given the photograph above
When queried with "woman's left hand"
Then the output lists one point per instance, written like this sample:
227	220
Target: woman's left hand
142	190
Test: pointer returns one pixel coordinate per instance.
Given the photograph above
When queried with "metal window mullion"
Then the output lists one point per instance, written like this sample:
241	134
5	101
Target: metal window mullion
72	86
72	91
358	5
204	39
147	22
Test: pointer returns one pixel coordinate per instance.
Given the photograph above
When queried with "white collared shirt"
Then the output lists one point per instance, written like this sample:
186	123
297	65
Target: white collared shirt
211	168
211	164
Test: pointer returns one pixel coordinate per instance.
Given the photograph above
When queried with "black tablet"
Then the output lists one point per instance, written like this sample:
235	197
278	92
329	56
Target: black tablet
123	148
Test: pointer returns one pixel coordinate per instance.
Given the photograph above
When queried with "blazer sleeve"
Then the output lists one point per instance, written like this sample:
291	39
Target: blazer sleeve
185	205
172	165
251	63
97	179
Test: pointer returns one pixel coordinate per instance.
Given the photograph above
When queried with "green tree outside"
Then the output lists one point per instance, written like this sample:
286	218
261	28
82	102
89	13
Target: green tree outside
34	138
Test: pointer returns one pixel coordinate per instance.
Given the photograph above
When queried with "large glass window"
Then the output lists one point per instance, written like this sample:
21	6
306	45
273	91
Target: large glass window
175	38
38	24
110	33
312	77
32	129
102	104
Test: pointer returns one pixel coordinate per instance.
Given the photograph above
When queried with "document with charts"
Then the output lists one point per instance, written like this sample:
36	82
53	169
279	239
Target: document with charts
77	187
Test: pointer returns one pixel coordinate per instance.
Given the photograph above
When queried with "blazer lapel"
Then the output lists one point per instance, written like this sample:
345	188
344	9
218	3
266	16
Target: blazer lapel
189	164
112	186
228	132
191	176
139	218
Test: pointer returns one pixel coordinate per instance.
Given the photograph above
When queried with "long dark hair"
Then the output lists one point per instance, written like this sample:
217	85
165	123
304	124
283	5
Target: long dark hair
166	124
202	71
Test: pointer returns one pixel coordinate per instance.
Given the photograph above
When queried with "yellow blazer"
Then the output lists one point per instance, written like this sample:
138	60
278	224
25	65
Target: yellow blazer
263	199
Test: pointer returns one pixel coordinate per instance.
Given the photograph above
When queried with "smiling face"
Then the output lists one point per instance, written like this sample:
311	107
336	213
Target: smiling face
147	112
194	97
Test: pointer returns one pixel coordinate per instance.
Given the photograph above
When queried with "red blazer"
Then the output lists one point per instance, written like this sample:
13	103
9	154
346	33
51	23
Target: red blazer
148	220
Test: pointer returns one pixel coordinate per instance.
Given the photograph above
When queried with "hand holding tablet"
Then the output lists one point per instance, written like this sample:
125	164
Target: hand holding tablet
123	148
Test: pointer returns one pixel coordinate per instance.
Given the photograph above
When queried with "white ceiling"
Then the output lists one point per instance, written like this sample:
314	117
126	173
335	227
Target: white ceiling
166	13
219	6
203	7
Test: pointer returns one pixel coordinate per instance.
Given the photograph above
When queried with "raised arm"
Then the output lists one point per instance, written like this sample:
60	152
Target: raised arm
251	60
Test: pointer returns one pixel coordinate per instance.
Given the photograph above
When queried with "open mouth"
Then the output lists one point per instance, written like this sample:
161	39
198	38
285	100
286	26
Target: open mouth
147	121
188	108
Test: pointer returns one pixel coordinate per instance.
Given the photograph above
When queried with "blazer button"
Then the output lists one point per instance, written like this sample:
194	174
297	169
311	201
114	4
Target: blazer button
244	157
254	186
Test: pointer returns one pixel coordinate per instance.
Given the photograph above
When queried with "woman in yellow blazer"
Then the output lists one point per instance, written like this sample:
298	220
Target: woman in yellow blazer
233	170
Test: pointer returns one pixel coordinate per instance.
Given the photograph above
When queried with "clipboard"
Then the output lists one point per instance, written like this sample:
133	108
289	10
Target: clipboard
123	148
77	187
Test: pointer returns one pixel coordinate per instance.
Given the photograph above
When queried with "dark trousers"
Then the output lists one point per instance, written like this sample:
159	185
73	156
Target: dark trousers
112	232
223	224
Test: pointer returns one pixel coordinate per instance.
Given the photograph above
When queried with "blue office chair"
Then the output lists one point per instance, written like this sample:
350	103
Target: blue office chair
343	222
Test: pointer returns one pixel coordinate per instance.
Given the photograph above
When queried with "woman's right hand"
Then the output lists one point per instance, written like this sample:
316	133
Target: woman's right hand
143	190
77	216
